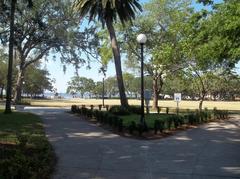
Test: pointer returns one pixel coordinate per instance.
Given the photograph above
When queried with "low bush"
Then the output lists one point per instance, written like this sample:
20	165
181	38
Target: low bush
158	126
95	114
120	125
74	108
135	109
115	121
119	110
132	127
140	128
88	112
175	120
169	122
84	111
91	106
105	118
101	116
110	119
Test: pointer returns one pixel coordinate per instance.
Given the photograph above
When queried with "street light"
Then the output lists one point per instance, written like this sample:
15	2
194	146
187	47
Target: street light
103	70
141	39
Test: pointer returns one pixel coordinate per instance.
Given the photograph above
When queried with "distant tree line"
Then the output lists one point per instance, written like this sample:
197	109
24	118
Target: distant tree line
218	86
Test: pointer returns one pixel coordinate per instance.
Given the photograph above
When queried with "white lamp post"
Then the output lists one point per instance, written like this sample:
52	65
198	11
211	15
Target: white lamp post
141	39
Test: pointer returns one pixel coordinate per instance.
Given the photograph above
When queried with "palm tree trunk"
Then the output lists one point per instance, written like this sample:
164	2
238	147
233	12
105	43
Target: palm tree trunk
10	59
117	61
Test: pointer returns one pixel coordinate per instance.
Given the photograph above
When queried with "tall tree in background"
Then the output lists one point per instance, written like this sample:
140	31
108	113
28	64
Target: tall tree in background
81	85
49	27
212	42
107	11
163	22
3	72
10	49
10	58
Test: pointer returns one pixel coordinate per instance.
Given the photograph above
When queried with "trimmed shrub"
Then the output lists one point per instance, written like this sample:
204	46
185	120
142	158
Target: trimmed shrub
95	114
119	110
140	128
158	125
74	108
91	106
132	127
120	125
135	109
191	118
101	116
181	120
105	118
100	107
84	111
197	117
115	121
110	119
169	121
175	121
89	113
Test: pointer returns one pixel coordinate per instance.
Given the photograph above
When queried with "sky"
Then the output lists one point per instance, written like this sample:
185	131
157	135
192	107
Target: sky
55	68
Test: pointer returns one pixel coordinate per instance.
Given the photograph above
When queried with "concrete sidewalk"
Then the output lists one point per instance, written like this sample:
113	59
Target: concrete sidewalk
87	151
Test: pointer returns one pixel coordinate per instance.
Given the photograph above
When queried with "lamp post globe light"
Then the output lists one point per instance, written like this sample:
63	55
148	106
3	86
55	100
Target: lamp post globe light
141	39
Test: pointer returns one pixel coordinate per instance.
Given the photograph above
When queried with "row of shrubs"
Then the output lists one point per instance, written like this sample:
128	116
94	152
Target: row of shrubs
173	121
191	118
104	117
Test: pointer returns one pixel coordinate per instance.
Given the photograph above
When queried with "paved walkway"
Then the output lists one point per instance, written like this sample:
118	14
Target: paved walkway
87	151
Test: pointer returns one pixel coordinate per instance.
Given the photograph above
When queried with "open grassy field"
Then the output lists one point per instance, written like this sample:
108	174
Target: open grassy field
225	105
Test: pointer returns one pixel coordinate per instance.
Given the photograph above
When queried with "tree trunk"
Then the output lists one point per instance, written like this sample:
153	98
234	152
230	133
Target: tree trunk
201	103
18	90
155	93
1	92
10	59
117	61
156	89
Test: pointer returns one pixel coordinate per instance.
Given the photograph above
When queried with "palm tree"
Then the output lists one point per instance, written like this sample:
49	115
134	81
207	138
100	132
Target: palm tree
10	54
107	12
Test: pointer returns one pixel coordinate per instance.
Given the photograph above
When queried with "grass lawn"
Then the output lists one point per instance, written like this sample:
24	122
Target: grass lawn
25	150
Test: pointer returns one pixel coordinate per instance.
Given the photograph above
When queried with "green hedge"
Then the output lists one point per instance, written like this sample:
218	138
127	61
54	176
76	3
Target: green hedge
171	121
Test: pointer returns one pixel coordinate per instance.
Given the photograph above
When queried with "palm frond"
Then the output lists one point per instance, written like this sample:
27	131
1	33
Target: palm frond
108	9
